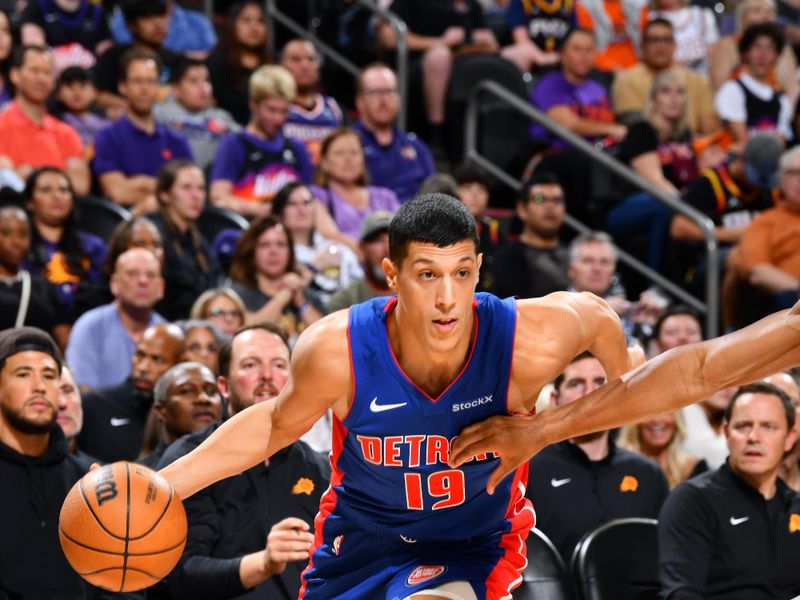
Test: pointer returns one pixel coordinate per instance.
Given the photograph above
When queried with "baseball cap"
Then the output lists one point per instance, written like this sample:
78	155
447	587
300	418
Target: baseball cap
375	223
24	339
761	156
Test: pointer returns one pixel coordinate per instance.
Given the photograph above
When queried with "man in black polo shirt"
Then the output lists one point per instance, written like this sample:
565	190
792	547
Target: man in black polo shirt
249	534
734	533
114	417
579	484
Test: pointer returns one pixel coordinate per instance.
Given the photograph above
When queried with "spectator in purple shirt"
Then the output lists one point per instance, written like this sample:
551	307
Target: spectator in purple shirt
342	183
130	153
251	166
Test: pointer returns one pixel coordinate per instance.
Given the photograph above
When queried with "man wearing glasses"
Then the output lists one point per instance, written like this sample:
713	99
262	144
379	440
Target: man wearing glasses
536	264
397	160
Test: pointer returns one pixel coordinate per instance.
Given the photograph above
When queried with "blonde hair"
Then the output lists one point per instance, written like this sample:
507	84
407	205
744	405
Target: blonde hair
677	459
744	7
272	81
661	81
200	305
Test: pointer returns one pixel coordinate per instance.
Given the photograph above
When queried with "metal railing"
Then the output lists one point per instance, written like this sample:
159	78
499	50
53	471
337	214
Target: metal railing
711	306
401	67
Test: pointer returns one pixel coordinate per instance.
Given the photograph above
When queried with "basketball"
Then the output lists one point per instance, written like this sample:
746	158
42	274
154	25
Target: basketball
122	527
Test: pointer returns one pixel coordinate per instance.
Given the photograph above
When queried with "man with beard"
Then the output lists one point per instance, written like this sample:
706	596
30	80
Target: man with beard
374	246
249	535
537	263
35	468
114	417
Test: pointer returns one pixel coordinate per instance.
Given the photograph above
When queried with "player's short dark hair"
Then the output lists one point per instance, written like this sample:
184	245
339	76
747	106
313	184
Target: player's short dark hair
538	178
763	387
20	52
75	74
676	309
226	351
560	377
133	55
769	30
133	10
182	68
436	219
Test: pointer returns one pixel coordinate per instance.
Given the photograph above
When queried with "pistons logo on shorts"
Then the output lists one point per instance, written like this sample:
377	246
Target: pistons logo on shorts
424	573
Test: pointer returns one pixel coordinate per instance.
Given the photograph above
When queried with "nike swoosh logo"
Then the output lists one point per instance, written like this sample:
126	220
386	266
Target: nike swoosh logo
559	482
739	521
375	407
115	422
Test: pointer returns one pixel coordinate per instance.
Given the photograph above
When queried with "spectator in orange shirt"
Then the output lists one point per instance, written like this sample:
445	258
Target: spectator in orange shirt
615	27
769	252
29	136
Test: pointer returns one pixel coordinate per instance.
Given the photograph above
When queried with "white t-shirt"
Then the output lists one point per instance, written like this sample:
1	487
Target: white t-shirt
701	441
695	31
731	105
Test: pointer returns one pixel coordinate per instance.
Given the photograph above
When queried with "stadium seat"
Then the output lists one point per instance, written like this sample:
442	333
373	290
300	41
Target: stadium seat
545	577
214	220
99	216
502	131
618	561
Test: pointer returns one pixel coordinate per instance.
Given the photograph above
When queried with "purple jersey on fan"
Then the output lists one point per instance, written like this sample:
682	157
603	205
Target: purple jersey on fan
314	125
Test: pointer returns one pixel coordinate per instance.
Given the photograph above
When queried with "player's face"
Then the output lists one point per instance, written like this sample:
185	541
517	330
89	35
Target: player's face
436	287
258	371
193	401
679	330
201	346
593	268
758	436
580	378
657	433
194	90
29	392
187	196
70	410
155	353
51	201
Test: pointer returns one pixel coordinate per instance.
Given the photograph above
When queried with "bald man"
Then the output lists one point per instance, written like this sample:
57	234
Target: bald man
114	417
103	340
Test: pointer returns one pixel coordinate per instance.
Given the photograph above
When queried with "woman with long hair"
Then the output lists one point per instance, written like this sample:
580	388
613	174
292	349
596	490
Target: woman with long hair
243	48
661	438
342	183
6	50
267	277
221	306
333	264
659	148
66	257
190	267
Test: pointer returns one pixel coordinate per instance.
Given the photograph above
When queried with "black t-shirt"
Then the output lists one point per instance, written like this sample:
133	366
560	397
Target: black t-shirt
86	26
716	195
106	71
45	310
230	95
520	270
678	161
432	17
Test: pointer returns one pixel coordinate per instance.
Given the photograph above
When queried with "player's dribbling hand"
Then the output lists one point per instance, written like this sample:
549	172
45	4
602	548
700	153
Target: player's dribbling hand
288	540
511	438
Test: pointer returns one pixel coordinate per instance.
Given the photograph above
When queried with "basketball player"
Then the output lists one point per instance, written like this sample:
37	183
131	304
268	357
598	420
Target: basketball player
404	376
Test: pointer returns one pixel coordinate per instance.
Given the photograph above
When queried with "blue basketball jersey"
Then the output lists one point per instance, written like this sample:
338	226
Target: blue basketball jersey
390	472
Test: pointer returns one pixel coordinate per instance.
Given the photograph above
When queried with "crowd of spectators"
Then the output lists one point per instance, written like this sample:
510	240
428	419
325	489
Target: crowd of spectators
152	107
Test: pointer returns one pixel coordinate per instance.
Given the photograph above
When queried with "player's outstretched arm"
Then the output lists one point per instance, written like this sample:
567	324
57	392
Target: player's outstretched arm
670	381
319	379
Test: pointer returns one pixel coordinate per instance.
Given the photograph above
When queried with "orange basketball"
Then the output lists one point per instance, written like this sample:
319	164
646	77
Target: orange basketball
122	527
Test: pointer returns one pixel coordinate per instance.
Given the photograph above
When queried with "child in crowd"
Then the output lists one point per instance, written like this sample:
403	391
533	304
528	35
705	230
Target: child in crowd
76	94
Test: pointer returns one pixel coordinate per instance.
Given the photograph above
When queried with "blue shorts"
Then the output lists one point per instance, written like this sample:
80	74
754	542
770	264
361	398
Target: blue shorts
351	563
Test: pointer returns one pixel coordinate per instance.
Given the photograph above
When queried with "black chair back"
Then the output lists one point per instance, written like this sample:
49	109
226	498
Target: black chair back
545	577
618	561
214	220
99	216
